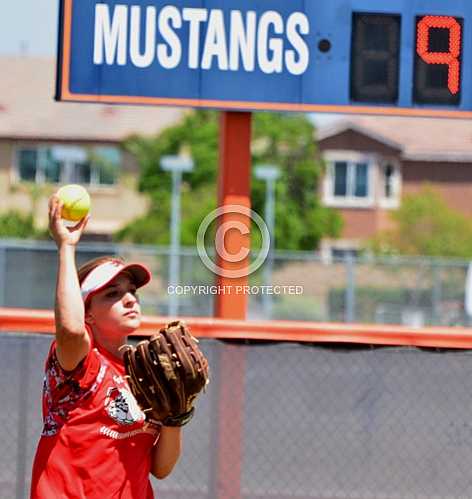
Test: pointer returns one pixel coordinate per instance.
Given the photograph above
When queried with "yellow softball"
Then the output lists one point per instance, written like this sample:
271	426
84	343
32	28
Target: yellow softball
76	202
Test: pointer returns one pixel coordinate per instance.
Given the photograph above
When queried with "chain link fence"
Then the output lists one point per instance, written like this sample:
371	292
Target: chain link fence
288	420
409	291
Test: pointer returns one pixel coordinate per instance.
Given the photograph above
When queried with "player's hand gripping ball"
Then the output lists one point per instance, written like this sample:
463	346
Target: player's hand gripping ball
76	202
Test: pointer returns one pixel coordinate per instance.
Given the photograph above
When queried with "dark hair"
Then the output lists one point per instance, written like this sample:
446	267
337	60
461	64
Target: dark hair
87	267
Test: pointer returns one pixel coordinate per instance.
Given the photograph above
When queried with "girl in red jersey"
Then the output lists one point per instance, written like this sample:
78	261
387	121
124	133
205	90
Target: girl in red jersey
96	442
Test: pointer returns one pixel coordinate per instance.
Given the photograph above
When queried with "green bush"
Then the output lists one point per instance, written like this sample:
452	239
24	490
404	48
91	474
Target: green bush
426	225
14	224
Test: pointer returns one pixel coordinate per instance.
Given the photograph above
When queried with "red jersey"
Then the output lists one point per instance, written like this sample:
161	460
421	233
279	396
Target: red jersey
95	441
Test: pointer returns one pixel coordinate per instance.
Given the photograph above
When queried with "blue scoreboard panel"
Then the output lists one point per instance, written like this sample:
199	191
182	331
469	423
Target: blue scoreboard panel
404	57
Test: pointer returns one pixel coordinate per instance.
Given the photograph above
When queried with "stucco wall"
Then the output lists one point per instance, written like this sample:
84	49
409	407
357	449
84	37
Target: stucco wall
112	206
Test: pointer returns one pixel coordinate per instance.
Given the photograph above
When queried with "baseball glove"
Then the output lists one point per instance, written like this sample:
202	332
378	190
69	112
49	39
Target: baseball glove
166	373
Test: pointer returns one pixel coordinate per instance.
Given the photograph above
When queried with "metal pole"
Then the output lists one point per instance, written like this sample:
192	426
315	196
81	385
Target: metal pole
468	296
174	266
268	173
350	315
3	275
22	444
436	296
270	221
176	165
233	188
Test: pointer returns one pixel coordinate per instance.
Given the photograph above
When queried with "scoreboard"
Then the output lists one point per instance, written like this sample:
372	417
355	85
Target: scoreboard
403	57
376	57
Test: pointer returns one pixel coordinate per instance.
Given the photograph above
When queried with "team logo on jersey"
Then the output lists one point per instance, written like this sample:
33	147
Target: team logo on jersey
122	407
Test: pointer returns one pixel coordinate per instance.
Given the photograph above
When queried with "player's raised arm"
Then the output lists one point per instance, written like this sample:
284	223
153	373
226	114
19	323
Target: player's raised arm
73	342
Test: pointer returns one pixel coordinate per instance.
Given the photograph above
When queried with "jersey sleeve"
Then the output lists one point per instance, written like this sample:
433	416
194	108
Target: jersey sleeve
64	390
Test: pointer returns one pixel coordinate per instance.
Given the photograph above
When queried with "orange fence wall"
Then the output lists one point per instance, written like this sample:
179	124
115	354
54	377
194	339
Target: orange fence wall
42	321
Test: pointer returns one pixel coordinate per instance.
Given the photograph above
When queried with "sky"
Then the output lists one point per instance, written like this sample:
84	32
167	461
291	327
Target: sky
29	27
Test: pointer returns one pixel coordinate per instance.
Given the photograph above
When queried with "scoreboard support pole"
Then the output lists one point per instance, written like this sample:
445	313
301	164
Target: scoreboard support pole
234	184
234	188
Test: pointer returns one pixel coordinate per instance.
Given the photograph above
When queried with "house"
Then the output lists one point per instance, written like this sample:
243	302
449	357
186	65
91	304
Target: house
44	143
373	161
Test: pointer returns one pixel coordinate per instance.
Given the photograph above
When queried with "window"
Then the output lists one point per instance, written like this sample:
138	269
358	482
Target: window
390	178
388	181
105	160
344	253
38	165
348	181
339	250
97	166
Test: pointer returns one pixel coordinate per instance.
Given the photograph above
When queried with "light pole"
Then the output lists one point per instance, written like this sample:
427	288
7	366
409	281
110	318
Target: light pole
268	173
176	165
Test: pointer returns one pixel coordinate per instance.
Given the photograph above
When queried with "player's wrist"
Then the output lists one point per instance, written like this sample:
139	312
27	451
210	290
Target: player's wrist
65	246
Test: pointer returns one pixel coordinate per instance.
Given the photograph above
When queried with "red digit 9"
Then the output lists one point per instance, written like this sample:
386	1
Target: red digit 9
450	58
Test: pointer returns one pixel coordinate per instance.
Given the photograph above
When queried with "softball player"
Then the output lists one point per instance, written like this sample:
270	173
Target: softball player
96	442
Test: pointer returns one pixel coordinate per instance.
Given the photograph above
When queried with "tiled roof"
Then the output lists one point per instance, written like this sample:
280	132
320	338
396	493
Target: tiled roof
422	139
28	109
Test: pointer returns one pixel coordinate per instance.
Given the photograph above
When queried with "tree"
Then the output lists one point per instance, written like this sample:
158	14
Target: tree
426	225
286	140
17	225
